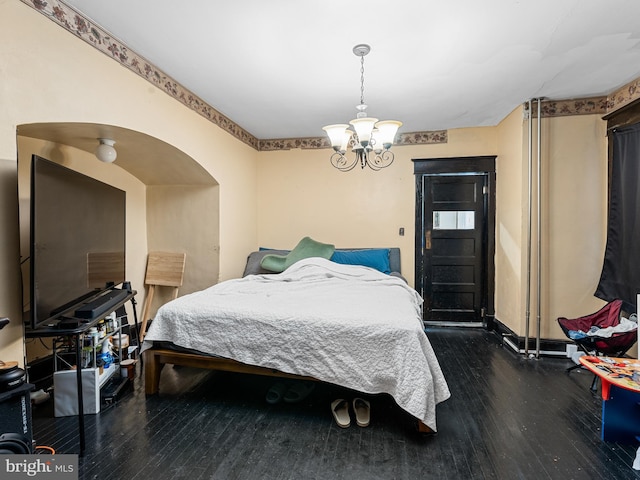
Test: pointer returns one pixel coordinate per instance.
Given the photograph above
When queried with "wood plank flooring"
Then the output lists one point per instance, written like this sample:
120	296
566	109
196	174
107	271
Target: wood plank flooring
508	418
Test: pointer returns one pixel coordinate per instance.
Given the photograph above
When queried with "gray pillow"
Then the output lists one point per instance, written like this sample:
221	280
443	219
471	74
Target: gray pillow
253	262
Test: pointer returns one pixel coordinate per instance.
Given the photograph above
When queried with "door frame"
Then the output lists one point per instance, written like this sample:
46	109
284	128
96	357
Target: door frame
481	165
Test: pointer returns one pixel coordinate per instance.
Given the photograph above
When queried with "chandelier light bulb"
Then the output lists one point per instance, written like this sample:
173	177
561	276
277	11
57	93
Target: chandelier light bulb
363	128
387	130
336	134
346	139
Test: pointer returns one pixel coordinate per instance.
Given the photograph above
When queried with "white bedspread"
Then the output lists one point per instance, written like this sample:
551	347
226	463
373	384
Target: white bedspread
348	325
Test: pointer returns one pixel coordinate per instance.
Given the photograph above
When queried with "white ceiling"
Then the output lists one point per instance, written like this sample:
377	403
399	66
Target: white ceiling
285	68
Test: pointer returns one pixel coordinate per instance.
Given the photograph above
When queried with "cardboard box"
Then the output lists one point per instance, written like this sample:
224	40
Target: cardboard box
65	391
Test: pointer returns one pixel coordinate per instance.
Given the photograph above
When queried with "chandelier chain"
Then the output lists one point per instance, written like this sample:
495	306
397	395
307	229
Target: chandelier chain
362	80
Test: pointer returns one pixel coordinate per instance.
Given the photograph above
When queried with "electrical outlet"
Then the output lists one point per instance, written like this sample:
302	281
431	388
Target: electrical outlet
401	232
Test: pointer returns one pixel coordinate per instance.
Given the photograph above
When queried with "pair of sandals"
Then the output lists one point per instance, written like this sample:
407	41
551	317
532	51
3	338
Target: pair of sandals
289	392
361	409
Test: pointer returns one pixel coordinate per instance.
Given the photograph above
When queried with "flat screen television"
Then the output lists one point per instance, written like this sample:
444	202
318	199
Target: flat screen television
77	239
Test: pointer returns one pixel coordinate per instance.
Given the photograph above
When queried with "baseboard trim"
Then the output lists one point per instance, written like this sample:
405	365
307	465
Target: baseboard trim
547	347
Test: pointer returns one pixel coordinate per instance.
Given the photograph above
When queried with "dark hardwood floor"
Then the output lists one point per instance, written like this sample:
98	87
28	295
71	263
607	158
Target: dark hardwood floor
508	418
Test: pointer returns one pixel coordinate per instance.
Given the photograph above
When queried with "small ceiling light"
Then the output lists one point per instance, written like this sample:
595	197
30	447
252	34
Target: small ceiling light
370	135
105	151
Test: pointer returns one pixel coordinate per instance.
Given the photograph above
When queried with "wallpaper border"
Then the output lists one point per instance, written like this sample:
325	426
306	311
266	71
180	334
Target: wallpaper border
413	138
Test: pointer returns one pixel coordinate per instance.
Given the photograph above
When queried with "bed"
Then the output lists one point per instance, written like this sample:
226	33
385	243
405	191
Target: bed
341	323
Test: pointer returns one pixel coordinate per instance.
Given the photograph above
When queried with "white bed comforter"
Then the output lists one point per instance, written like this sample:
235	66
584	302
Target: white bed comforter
348	325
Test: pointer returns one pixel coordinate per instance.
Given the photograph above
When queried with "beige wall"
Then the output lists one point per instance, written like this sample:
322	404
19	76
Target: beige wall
11	344
573	220
302	194
274	198
48	75
511	222
574	217
185	218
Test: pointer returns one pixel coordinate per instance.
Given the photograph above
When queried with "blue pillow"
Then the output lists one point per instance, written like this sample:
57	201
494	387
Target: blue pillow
377	258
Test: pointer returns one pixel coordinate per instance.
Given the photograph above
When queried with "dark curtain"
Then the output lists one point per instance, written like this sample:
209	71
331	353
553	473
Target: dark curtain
620	276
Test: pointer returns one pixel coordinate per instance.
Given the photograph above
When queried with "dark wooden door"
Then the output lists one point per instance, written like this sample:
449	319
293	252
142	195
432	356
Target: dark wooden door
454	247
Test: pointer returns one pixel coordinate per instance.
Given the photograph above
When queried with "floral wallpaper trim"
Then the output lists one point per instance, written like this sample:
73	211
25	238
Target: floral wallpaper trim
289	143
561	108
594	105
624	96
423	138
415	138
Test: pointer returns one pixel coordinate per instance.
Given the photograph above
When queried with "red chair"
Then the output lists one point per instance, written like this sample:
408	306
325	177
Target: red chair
608	316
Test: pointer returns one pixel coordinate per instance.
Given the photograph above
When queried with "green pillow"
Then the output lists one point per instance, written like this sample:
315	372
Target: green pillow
306	248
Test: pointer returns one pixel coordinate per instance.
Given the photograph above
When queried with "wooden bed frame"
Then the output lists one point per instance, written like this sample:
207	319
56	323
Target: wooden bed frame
156	359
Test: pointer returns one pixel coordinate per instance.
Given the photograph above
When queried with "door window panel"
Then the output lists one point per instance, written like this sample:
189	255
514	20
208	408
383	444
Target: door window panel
453	220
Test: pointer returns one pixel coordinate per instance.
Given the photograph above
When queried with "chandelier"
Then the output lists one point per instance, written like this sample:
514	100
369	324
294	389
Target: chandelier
370	140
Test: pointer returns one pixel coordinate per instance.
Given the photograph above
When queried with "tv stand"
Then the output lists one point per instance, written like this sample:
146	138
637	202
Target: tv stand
66	324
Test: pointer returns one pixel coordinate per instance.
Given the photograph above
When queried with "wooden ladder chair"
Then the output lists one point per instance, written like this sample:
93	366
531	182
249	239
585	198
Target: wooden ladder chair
164	269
